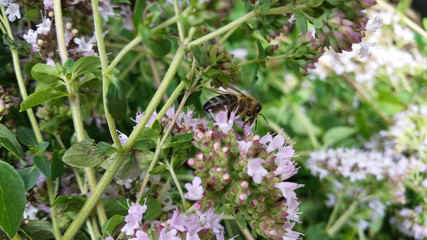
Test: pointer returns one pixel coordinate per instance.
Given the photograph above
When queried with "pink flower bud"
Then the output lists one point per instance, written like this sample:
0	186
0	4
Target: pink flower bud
200	135
199	157
216	146
226	177
243	197
218	169
191	162
224	150
244	184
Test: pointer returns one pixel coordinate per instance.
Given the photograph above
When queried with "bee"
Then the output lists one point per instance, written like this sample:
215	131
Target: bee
234	100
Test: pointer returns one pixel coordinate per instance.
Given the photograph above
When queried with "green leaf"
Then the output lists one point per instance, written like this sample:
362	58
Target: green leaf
8	140
32	14
337	134
85	65
211	73
57	166
40	97
224	78
114	207
154	209
83	154
42	164
38	229
264	6
111	224
69	203
160	47
12	199
29	175
116	99
261	51
159	169
26	136
103	148
180	139
146	140
68	65
29	65
138	10
42	146
45	73
301	22
202	57
317	232
241	219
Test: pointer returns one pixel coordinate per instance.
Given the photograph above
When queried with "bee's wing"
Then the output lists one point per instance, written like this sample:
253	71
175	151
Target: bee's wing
234	89
217	91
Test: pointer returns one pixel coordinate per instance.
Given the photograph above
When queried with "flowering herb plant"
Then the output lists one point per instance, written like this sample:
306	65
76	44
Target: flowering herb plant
77	166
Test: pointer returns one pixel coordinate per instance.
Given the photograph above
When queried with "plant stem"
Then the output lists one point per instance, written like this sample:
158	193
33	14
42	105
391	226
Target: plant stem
245	231
155	75
279	10
123	52
303	120
178	186
342	220
95	197
33	122
105	79
334	211
156	98
228	34
164	188
131	65
56	231
59	26
249	62
179	23
171	99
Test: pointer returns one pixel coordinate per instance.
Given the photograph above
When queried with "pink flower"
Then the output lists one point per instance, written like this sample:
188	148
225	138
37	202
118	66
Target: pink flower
106	10
85	47
13	12
256	170
150	121
223	122
275	143
48	5
244	146
44	27
133	219
140	235
31	38
212	220
50	62
177	222
286	169
171	235
287	189
195	190
126	11
122	137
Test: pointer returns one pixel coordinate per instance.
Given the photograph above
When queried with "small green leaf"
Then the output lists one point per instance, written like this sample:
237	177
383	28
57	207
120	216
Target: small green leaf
42	146
146	140
154	209
201	56
159	169
116	99
301	22
32	14
57	166
337	134
85	65
69	203
42	164
180	139
264	6
160	47
211	73
29	65
138	10
113	207
224	78
68	65
241	219
8	140
111	224
12	199
83	154
317	232
39	229
29	175
261	51
27	136
40	97
45	73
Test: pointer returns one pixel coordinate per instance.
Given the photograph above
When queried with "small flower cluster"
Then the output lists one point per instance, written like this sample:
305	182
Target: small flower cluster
376	55
409	133
343	25
179	226
412	222
6	100
360	173
248	173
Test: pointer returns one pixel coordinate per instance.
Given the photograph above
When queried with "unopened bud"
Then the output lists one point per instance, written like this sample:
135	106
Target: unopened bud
226	177
199	157
75	31
40	42
51	14
216	146
191	162
68	26
256	138
243	197
200	135
244	184
218	169
224	150
272	232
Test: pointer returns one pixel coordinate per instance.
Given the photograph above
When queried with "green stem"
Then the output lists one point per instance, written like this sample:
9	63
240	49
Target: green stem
228	34
178	186
244	231
342	220
156	98
334	211
131	65
59	26
123	52
179	23
171	100
279	10
164	188
303	120
95	197
249	62
56	231
33	122
105	79
16	237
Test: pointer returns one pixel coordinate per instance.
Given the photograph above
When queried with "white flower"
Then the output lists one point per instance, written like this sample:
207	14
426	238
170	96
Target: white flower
44	27
30	212
13	12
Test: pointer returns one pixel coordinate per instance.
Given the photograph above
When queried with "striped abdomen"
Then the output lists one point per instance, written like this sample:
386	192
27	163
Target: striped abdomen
219	102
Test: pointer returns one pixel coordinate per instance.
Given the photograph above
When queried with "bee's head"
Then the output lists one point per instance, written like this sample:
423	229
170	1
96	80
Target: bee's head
257	108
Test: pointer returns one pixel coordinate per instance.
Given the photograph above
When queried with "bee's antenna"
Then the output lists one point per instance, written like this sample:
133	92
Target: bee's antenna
264	118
